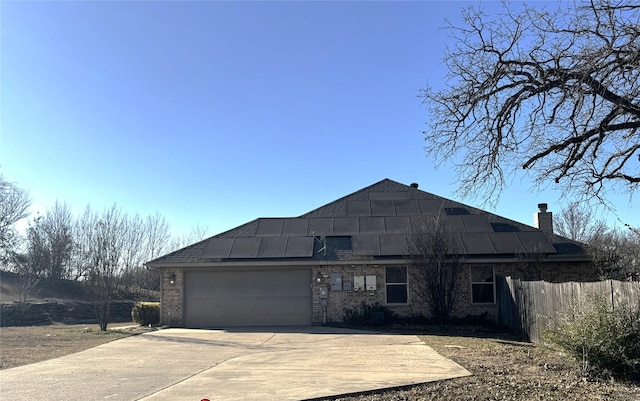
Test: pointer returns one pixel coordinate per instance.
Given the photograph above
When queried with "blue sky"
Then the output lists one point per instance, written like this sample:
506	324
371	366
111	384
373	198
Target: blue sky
216	113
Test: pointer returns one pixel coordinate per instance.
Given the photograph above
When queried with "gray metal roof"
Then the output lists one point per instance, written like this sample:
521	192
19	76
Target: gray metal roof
379	220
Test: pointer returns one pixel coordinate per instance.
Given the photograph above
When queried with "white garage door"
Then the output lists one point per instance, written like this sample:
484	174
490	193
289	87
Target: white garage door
247	298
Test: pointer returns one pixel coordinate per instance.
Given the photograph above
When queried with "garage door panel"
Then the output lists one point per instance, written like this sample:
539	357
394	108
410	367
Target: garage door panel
247	298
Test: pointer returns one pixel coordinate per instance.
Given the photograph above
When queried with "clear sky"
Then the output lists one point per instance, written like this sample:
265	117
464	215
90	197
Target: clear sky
216	113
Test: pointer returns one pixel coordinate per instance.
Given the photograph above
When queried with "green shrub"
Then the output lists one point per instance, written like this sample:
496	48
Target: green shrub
605	342
146	313
368	314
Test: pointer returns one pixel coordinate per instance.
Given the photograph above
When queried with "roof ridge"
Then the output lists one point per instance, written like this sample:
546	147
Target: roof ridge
339	200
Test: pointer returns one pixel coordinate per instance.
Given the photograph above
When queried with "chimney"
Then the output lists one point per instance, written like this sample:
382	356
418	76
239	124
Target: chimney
543	220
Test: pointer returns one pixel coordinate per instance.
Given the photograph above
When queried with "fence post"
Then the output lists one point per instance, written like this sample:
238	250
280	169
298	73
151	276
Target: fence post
613	299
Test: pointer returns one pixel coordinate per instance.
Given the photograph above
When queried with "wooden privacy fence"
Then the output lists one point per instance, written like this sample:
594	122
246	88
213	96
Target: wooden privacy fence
527	307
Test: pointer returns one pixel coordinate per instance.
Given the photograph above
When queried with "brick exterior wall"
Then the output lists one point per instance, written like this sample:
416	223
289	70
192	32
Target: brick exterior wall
551	272
332	307
172	300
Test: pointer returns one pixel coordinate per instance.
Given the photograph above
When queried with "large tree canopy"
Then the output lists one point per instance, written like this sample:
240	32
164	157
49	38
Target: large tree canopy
556	92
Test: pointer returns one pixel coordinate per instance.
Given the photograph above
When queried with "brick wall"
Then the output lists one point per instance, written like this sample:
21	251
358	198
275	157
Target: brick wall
463	305
331	308
338	301
550	272
172	299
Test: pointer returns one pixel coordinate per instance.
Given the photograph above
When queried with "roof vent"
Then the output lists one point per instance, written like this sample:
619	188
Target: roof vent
414	185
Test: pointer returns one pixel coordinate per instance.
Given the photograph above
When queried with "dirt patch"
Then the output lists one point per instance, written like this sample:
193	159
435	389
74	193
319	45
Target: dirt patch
504	369
24	345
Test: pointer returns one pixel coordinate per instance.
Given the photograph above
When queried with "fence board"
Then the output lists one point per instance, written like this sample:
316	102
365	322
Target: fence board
528	307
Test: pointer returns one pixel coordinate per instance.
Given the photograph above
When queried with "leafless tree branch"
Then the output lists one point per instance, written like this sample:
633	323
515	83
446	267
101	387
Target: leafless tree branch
556	92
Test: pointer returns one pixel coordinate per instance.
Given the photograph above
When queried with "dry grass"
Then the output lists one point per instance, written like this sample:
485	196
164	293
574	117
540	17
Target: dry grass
504	369
24	345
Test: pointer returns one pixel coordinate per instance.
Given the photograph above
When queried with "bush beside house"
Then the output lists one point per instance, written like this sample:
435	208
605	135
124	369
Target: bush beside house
146	313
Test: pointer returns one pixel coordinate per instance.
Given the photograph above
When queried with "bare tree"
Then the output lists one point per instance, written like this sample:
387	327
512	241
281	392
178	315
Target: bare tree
14	206
107	238
197	233
33	262
38	253
616	253
633	253
435	266
133	251
83	233
531	264
28	269
50	241
28	277
554	92
577	222
158	237
58	223
146	239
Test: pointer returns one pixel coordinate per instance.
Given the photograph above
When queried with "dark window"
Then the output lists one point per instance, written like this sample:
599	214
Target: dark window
482	285
396	284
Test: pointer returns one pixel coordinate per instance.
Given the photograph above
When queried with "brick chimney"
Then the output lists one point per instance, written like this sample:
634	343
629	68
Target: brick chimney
543	220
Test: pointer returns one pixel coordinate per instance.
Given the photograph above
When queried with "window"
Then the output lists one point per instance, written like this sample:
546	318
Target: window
482	285
396	283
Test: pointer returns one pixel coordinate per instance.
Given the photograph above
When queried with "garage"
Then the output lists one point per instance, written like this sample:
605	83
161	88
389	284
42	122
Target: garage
233	298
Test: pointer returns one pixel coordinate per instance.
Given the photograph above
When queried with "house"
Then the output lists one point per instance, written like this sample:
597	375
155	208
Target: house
307	269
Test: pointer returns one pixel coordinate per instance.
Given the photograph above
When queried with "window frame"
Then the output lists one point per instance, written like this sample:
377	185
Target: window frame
483	283
405	284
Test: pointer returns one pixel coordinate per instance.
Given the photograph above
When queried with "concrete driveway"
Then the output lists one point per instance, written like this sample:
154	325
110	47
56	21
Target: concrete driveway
237	364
